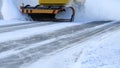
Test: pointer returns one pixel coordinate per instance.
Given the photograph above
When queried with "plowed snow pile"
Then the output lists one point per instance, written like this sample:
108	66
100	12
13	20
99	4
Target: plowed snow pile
10	11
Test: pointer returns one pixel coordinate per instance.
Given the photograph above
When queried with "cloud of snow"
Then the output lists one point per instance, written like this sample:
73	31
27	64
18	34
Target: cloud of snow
99	10
10	11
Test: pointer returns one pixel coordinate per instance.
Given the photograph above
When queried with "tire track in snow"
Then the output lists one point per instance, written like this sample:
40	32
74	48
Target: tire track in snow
9	28
22	43
33	54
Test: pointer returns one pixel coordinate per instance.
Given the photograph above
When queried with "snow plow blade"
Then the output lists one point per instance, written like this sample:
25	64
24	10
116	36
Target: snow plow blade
46	13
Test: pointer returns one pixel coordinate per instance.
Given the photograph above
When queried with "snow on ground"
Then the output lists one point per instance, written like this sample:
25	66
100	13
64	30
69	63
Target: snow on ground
12	22
99	52
10	11
25	33
32	31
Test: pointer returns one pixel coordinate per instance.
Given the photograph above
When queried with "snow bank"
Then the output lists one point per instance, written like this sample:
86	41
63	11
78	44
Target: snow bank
10	11
98	10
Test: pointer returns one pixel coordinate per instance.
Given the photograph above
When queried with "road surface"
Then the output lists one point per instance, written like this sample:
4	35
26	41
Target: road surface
28	50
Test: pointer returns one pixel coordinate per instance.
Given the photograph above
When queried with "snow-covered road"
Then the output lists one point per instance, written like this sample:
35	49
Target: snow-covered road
30	44
35	38
26	47
8	28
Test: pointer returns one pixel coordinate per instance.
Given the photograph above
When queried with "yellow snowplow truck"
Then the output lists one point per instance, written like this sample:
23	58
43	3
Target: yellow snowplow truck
46	10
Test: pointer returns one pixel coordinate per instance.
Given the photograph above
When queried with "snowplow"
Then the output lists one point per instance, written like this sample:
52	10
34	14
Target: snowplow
49	10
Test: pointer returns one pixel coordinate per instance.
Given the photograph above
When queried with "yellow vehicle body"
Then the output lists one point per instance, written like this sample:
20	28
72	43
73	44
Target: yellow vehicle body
53	2
47	10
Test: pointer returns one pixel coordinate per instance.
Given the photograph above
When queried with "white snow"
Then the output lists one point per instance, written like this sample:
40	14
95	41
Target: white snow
26	2
10	11
32	31
98	10
12	22
16	51
99	52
